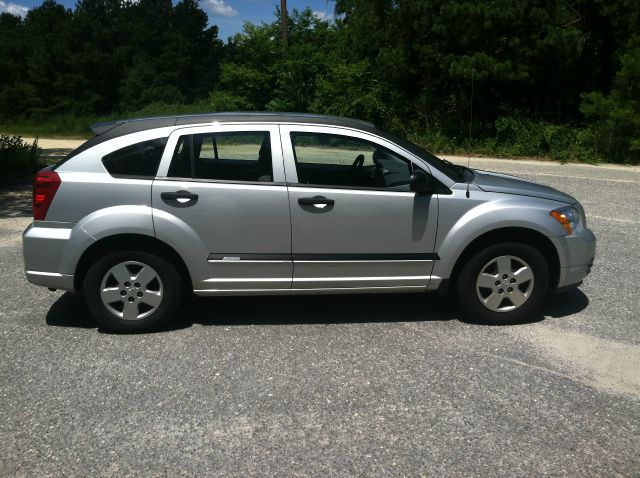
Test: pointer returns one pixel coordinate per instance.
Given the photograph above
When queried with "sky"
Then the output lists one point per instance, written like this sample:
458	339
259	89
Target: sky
229	15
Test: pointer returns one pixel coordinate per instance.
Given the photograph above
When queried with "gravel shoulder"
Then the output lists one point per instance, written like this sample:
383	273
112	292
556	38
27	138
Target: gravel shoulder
336	385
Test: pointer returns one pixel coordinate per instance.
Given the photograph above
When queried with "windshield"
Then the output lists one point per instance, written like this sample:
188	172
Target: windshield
454	172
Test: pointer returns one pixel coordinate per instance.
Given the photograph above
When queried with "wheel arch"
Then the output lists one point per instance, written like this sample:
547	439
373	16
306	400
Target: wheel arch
120	242
508	234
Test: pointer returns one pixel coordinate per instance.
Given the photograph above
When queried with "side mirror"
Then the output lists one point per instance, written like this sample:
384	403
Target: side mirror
420	183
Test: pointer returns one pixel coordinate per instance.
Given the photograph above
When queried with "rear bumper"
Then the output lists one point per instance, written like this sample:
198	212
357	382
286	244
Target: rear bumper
577	253
51	251
53	280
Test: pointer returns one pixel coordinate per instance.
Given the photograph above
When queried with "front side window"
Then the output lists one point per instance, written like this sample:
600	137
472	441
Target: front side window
335	160
138	160
236	156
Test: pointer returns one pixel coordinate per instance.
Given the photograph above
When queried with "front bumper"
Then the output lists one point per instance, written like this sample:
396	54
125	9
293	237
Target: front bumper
576	253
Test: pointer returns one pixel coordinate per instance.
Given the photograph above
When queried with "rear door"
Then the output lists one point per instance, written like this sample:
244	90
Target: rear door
221	195
355	222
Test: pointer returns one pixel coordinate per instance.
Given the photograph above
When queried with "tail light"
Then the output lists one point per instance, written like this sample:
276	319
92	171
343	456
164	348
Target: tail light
45	185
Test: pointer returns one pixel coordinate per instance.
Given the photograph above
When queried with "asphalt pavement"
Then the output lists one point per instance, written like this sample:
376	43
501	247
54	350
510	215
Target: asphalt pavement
371	385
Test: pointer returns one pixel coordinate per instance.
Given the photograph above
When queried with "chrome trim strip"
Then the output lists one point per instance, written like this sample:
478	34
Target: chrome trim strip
325	257
245	257
314	279
349	279
269	261
45	274
361	261
250	279
250	261
373	257
312	291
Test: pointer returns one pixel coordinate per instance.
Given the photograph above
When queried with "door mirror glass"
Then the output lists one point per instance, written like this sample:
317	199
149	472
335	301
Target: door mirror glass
420	182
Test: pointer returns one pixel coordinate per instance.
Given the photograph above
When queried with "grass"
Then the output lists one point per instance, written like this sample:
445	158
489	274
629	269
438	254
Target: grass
518	138
61	127
508	137
72	126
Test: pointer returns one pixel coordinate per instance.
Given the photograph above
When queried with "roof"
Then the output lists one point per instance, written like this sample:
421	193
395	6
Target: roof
114	129
126	126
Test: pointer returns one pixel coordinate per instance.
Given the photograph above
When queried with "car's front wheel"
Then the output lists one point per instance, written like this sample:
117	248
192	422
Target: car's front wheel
502	284
132	291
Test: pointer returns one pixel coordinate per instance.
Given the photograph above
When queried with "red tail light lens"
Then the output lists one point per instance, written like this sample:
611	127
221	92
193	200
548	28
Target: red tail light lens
45	185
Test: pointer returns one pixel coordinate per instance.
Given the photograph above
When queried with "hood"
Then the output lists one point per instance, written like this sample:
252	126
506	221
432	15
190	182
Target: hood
503	183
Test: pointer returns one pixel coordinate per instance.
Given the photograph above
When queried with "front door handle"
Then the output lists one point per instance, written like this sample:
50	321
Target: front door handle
179	198
316	201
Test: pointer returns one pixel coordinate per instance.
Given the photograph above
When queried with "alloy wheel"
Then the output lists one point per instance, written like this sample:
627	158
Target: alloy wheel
504	283
131	290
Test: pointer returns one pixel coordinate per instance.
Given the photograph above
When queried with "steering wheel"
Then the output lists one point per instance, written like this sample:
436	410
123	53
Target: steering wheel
356	167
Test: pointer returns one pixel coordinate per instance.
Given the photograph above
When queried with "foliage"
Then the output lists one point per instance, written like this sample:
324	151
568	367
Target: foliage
17	157
105	56
549	78
616	126
516	137
348	89
517	54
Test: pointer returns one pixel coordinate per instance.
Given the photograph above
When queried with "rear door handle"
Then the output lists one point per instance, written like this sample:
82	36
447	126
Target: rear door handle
316	201
178	195
179	199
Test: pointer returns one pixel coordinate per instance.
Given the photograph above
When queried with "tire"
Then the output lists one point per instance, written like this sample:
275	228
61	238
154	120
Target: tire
503	284
132	291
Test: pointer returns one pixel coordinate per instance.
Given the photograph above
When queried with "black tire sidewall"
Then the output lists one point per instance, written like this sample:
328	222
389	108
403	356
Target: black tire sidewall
466	284
171	284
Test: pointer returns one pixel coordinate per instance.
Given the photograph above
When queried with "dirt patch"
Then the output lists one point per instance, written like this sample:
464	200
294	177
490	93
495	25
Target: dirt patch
609	366
48	143
53	150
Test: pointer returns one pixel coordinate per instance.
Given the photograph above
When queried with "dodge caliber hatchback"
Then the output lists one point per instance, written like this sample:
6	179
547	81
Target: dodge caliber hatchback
240	203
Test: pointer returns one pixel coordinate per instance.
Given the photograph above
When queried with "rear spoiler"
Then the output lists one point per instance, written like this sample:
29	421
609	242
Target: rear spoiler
101	128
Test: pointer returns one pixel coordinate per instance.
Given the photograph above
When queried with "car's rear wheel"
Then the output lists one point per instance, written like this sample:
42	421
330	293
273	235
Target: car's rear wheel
502	284
132	291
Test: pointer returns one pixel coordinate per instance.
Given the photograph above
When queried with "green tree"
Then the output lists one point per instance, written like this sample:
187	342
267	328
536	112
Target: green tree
247	77
519	54
98	26
616	116
47	82
12	65
348	89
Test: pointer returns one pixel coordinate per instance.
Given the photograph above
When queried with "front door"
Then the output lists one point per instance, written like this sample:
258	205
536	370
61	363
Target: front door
355	222
221	197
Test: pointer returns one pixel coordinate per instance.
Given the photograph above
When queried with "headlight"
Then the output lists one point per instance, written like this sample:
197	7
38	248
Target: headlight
569	218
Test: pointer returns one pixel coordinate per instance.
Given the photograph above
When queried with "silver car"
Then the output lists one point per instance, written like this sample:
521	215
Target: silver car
257	203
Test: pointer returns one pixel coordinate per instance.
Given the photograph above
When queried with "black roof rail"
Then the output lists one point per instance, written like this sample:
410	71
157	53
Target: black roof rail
113	129
131	125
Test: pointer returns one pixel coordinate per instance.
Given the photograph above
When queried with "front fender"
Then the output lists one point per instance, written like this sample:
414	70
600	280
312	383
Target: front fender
463	220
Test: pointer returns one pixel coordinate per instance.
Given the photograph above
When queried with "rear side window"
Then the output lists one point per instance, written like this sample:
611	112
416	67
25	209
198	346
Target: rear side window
138	160
236	156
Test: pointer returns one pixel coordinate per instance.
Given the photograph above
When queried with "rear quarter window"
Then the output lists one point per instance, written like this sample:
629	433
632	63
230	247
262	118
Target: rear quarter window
140	160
